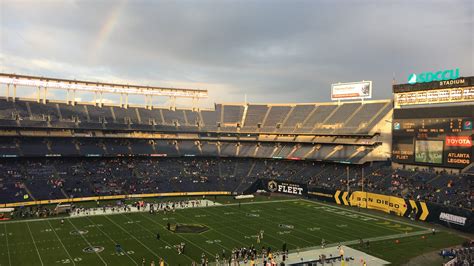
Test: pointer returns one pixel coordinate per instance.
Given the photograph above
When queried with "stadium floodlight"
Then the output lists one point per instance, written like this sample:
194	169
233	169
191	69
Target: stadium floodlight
53	83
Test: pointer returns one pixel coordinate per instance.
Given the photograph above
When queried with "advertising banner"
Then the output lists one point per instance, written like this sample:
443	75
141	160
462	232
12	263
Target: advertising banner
458	151
323	194
277	186
429	76
379	202
458	141
353	90
434	85
452	217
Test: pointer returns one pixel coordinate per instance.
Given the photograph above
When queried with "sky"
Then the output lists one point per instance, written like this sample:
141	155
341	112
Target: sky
267	51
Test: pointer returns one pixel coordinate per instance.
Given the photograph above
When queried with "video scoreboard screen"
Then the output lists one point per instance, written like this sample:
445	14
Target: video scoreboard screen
436	136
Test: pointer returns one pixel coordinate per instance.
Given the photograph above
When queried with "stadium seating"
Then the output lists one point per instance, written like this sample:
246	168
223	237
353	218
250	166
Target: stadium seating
203	160
326	118
101	146
50	178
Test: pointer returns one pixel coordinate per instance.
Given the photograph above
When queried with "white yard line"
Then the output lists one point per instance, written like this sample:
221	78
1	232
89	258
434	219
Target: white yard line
351	220
164	240
8	247
177	236
88	243
153	221
235	240
353	211
34	243
328	231
62	244
268	235
141	243
113	241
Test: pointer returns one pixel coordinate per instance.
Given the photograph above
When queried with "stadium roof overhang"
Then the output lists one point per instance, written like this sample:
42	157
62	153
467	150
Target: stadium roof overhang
98	87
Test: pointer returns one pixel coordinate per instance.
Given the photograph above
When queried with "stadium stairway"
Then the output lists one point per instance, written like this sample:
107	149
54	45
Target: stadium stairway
468	169
436	177
66	196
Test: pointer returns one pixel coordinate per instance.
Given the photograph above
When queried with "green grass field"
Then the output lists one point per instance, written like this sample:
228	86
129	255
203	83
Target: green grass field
47	242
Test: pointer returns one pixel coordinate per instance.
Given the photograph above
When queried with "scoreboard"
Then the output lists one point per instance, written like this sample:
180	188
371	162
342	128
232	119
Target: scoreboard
436	136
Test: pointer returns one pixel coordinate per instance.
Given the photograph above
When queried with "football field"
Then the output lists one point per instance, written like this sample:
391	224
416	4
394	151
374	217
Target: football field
92	240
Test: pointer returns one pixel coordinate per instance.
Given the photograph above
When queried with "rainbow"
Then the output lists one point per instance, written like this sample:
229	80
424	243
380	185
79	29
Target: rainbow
107	28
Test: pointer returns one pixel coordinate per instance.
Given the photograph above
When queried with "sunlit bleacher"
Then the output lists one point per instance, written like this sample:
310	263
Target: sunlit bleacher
324	118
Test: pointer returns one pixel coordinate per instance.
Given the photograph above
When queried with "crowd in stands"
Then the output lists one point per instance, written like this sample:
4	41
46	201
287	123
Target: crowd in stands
462	256
56	178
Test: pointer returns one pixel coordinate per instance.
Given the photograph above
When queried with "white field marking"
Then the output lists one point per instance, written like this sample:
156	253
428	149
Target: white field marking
114	242
216	232
270	236
213	206
336	229
226	235
88	243
60	241
292	235
371	239
8	248
176	235
141	243
34	243
253	203
368	214
336	213
263	202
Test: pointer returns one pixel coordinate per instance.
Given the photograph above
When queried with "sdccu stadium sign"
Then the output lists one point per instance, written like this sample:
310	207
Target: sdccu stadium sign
285	187
433	76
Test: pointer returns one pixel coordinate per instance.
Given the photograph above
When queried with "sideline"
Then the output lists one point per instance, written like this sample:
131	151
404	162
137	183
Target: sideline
117	213
295	256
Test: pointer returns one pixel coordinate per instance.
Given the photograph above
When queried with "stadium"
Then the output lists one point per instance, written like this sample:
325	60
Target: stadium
353	181
236	133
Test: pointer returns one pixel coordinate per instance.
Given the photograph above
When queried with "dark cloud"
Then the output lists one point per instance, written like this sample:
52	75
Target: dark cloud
281	51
